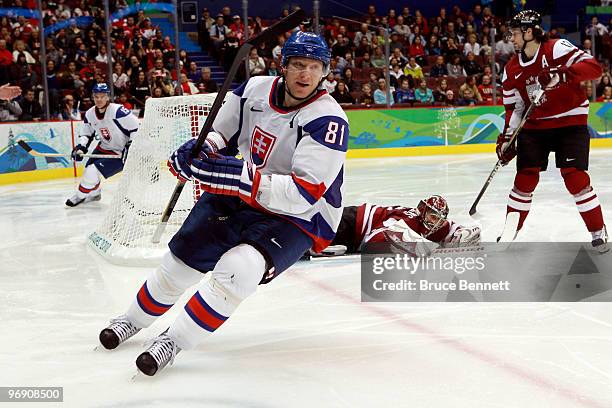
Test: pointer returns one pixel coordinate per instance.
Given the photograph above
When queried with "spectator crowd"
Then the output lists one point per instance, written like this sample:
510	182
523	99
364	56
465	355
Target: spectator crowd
142	60
442	60
434	60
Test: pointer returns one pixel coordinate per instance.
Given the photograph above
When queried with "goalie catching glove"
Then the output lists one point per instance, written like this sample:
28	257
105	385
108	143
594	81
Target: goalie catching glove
181	159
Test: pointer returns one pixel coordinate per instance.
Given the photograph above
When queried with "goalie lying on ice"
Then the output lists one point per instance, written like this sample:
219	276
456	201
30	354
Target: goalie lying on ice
404	228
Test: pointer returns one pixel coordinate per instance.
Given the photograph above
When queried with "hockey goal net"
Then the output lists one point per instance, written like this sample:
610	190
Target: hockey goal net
124	237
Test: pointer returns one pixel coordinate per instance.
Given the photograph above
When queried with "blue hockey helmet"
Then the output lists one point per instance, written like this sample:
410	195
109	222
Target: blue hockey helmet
307	45
101	88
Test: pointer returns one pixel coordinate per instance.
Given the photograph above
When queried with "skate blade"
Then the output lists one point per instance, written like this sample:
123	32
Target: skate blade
504	241
93	199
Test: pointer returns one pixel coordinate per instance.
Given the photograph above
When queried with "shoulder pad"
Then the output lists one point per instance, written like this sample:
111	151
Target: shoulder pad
330	131
254	83
562	47
122	112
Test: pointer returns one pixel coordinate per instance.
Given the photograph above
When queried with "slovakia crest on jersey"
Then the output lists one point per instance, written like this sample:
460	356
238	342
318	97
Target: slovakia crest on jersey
261	146
105	134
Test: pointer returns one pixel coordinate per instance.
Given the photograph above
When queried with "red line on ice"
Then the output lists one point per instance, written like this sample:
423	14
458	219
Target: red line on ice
515	370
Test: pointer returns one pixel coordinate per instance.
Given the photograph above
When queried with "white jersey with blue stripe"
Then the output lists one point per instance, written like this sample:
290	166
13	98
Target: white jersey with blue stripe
114	129
299	151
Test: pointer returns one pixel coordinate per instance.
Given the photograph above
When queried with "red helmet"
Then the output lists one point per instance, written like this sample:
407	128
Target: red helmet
433	211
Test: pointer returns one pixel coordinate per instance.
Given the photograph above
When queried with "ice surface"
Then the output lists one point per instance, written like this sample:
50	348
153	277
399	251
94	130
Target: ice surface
306	340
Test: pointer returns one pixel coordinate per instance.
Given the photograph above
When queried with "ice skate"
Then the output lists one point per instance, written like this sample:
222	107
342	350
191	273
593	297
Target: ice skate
160	351
75	200
117	332
92	198
510	228
600	240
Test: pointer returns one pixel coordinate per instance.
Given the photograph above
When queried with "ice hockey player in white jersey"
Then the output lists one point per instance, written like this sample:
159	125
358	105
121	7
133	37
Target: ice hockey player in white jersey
258	215
115	125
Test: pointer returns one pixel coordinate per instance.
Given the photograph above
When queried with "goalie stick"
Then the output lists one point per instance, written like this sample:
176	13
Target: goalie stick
284	25
34	152
538	95
439	251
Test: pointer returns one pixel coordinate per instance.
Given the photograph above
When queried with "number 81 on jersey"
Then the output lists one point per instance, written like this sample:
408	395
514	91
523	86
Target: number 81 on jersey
332	133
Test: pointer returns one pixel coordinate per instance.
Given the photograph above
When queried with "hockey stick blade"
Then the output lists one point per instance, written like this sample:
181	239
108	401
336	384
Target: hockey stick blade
33	152
538	94
284	25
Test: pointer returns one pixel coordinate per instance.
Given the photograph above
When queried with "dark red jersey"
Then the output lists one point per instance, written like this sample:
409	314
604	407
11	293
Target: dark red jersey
565	105
370	225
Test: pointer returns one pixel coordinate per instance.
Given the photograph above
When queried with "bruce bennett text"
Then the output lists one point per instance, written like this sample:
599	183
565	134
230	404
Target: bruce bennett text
425	285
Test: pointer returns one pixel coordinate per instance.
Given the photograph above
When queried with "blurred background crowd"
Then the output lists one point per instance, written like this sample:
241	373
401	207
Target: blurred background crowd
454	58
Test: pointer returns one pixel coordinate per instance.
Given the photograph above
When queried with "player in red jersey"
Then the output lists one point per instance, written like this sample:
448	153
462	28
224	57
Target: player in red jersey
400	226
558	123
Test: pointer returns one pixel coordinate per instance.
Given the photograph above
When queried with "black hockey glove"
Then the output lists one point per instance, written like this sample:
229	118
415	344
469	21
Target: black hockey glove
505	151
180	161
77	152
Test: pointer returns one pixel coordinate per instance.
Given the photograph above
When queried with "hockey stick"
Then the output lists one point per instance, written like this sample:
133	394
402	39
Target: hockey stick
538	95
284	25
36	153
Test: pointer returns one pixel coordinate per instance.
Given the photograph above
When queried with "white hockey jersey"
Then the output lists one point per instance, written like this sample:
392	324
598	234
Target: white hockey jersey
300	153
115	129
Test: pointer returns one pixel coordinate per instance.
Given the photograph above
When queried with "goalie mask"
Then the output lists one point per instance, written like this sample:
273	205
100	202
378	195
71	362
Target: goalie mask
433	211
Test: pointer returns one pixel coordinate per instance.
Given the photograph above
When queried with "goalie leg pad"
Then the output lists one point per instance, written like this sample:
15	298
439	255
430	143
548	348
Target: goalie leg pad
161	290
234	278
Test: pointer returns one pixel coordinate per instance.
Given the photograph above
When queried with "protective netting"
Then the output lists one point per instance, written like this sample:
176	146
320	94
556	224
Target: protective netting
146	184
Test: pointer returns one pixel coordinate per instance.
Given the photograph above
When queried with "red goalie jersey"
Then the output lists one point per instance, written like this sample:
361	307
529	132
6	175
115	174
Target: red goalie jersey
562	106
370	223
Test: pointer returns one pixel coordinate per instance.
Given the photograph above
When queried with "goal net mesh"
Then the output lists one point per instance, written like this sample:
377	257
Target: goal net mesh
124	237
